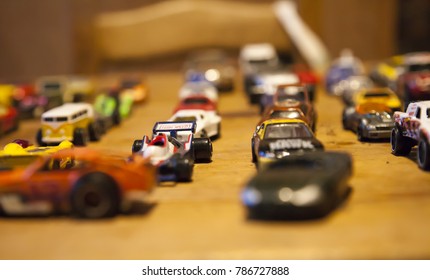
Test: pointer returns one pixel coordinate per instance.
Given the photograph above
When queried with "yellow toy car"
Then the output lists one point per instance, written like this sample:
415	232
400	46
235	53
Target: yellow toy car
378	95
19	153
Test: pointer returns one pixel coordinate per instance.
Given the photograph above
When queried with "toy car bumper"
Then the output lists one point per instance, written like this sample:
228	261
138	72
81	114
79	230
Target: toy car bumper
378	133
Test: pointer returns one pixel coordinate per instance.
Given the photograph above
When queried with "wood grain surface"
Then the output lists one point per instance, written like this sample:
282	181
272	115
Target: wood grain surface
386	217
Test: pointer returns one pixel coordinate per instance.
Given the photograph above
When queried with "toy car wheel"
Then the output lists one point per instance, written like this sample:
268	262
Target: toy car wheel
202	149
399	144
137	146
218	132
116	117
95	196
184	170
39	138
79	137
254	157
360	136
423	155
94	131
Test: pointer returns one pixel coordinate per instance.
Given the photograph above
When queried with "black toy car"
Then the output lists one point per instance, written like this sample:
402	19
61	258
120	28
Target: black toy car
299	187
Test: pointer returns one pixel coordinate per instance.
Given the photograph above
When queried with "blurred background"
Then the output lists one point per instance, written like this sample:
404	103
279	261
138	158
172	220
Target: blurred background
48	37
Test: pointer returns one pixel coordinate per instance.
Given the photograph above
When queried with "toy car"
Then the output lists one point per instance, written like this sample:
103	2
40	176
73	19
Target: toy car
215	66
134	86
208	122
74	122
28	102
413	128
295	96
386	73
369	121
254	56
173	149
263	84
9	119
196	102
347	88
91	185
113	106
376	95
21	153
279	138
198	86
283	112
343	67
299	187
414	83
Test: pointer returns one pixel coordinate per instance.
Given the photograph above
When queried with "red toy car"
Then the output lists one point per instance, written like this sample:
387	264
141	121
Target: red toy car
200	102
9	120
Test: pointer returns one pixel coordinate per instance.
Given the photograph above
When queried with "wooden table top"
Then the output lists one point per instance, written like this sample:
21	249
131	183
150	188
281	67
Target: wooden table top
386	217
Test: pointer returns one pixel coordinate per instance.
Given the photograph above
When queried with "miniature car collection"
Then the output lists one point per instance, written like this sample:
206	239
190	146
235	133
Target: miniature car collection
295	177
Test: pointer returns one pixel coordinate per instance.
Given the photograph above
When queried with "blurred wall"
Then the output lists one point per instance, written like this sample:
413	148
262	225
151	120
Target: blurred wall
46	37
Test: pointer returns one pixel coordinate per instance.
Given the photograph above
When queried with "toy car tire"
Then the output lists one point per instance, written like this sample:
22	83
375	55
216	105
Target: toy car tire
137	146
218	132
254	157
183	170
79	137
423	155
360	136
95	196
400	145
202	149
116	118
94	131
39	138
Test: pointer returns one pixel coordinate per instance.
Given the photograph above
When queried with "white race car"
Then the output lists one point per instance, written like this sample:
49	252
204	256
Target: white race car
173	149
208	122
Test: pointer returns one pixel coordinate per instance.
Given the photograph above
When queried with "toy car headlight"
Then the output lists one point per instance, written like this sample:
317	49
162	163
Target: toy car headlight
267	154
251	196
212	75
62	131
48	132
308	195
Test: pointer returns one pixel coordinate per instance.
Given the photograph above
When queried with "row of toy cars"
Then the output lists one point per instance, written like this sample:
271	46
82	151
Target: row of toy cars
186	137
375	113
80	122
263	71
296	179
63	179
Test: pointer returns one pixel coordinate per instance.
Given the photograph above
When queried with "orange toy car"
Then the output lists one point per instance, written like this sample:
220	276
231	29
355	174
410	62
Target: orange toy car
89	185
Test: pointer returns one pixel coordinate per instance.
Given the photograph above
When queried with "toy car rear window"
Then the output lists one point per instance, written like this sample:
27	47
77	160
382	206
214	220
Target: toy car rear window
195	101
286	114
376	94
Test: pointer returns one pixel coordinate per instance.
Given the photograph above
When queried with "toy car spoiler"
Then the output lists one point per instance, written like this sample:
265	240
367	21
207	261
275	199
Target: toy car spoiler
174	127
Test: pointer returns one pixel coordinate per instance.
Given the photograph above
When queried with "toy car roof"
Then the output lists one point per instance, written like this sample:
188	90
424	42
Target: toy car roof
174	126
67	109
280	121
369	107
